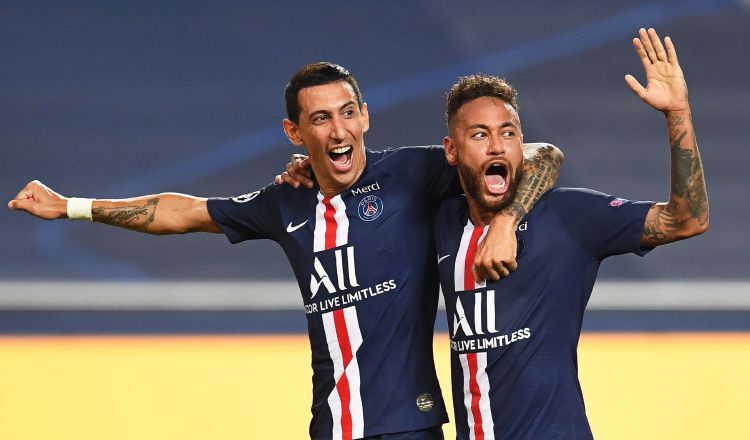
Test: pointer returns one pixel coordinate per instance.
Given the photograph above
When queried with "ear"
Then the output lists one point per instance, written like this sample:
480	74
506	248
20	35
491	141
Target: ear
451	155
291	129
365	118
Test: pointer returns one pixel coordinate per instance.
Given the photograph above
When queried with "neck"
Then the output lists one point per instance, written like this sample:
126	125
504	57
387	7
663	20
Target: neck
477	214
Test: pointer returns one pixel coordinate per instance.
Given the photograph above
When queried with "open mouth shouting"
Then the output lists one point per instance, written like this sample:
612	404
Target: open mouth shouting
496	178
341	157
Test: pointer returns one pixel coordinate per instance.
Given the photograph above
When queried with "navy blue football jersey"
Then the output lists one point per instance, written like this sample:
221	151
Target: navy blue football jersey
365	264
513	342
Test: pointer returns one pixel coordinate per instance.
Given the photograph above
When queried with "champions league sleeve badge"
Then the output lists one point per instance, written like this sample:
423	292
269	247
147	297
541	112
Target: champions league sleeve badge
370	208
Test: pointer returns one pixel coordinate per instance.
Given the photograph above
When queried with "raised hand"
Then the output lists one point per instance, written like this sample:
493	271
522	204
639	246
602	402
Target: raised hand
39	200
665	89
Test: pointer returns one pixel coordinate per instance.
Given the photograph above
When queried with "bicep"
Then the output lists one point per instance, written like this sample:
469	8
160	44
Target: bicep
200	218
182	213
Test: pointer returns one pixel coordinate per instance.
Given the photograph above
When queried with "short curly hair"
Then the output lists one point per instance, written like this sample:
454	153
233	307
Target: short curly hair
476	86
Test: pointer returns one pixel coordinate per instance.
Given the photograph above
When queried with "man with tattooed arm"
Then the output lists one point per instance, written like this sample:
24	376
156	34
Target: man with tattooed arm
360	244
513	342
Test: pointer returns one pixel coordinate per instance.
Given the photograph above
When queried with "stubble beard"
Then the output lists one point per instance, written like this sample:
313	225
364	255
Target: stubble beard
473	185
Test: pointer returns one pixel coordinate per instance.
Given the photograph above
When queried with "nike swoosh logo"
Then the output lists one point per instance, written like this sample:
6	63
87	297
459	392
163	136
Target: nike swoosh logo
443	258
291	228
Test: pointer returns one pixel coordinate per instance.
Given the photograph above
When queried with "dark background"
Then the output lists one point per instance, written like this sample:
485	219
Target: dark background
116	99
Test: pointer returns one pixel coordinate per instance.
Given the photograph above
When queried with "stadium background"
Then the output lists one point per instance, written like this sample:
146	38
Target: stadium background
110	334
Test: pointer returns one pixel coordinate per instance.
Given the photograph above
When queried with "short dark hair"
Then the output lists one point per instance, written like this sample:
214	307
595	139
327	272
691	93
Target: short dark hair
316	74
476	86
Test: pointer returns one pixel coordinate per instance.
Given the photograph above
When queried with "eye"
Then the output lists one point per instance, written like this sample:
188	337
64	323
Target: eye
509	133
349	113
479	135
319	119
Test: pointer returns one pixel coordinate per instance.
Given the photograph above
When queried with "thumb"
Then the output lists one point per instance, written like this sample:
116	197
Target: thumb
635	86
26	205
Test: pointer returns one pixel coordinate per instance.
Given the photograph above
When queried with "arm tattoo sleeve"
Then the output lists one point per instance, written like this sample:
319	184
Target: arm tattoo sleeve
688	200
135	217
538	174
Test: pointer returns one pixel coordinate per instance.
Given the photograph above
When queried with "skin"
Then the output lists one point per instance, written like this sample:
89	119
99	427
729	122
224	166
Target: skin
482	133
485	131
686	213
330	118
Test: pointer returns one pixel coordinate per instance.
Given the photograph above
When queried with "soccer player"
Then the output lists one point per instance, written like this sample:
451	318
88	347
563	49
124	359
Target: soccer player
360	244
513	342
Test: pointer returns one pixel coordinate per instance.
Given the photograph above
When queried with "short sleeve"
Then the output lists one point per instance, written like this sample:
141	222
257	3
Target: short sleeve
250	216
424	170
603	224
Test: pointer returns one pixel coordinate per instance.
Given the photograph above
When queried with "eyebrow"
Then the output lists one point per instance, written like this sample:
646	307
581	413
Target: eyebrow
343	106
487	127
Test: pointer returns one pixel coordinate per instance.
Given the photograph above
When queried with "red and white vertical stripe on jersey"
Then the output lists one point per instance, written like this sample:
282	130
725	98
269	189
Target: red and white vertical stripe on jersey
341	326
331	223
476	396
476	382
344	338
462	275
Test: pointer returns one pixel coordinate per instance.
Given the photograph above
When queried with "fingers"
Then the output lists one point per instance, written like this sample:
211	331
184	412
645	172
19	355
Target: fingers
297	158
641	52
289	180
661	54
27	192
671	52
296	173
493	269
298	170
647	46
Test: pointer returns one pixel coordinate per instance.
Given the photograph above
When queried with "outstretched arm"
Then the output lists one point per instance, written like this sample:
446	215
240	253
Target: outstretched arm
496	255
686	213
167	213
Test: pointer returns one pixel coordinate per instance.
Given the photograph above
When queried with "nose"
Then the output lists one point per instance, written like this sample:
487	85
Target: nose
338	131
495	146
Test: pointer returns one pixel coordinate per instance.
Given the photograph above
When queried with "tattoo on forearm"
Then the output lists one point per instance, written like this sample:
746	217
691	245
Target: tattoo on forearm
131	217
539	173
687	172
688	201
675	127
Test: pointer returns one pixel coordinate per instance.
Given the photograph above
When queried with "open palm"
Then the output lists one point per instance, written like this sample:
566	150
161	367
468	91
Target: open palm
665	89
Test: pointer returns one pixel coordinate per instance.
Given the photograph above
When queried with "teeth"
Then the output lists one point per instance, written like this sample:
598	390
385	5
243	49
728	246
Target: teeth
340	150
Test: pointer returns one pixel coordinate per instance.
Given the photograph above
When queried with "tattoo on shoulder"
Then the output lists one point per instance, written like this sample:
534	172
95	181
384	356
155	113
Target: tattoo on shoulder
539	173
131	217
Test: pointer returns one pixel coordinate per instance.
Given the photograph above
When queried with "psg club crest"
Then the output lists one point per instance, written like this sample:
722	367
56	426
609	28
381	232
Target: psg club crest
370	208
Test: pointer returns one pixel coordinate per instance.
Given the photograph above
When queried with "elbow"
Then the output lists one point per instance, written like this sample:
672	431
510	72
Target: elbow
702	227
697	227
557	154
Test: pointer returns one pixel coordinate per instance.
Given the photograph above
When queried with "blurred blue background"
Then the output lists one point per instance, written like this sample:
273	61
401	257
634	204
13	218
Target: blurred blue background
115	99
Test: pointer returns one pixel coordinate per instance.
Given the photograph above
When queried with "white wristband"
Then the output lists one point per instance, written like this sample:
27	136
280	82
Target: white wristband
80	209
